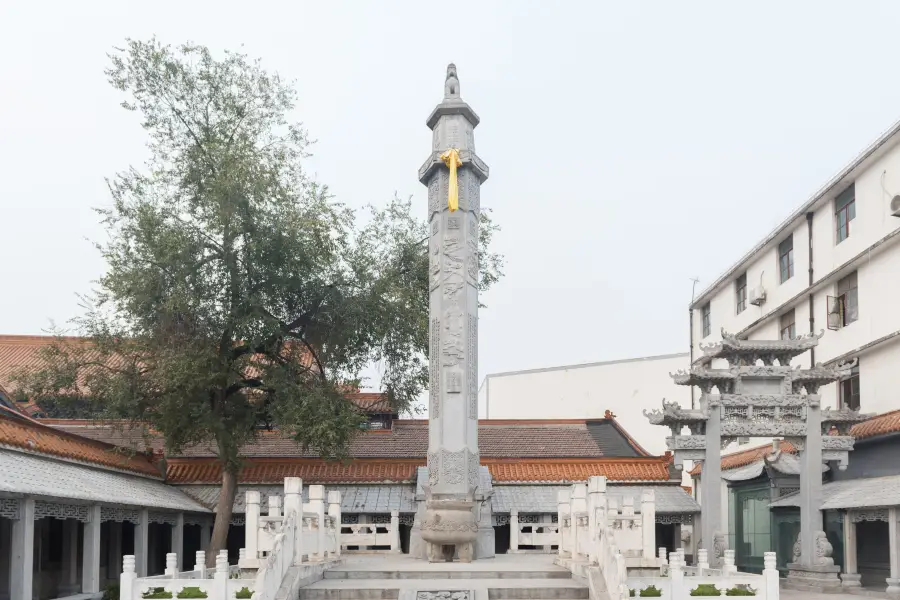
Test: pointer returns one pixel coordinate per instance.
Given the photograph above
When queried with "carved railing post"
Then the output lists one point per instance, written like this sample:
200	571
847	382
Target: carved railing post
596	514
395	531
200	564
770	574
293	503
334	511
251	524
127	579
274	506
171	565
579	528
648	523
514	530
564	513
317	505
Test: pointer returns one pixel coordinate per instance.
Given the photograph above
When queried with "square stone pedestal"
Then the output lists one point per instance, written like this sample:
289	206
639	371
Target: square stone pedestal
818	578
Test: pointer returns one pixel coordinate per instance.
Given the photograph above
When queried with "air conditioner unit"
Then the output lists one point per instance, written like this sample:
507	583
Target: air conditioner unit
757	295
895	206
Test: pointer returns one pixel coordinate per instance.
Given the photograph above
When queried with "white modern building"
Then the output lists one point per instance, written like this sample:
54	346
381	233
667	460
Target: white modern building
833	265
587	391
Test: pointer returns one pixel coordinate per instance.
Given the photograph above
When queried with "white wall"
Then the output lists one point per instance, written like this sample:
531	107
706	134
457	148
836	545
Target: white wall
625	387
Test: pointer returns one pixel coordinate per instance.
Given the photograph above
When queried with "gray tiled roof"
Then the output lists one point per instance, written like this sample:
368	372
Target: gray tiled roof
670	499
40	476
874	492
786	463
365	499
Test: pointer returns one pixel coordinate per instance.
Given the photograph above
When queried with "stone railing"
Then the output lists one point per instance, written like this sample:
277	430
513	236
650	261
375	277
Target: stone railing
218	583
540	536
314	531
676	581
372	535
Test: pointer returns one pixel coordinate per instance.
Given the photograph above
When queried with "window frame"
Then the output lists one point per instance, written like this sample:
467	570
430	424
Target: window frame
846	394
844	299
790	328
706	319
844	212
788	254
740	293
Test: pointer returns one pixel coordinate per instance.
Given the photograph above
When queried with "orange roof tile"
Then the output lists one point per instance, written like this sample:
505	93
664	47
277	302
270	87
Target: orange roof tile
632	469
313	471
883	424
29	435
746	457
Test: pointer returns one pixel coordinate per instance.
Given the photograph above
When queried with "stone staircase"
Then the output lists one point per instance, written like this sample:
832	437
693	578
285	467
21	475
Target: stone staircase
511	577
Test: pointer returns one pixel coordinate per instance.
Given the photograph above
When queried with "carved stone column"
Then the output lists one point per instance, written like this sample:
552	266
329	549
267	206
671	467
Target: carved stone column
450	521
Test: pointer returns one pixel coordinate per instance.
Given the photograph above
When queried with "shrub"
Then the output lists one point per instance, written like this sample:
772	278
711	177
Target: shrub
191	592
651	591
243	594
111	592
157	594
706	589
631	593
740	590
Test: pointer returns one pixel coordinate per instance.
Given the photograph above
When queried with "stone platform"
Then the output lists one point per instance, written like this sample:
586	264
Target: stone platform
505	577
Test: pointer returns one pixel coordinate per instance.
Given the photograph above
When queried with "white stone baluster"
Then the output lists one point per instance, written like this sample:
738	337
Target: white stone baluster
702	561
596	514
648	522
200	564
293	503
770	574
729	567
317	505
564	511
334	511
251	525
171	565
662	556
579	508
513	531
395	531
274	506
220	579
128	578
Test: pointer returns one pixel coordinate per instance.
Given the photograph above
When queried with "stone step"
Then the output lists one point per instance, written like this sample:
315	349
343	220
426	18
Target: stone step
460	574
497	589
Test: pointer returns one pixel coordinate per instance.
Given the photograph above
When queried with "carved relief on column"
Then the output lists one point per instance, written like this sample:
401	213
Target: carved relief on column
473	194
434	374
472	365
434	194
434	467
434	262
474	464
452	350
472	246
452	269
453	466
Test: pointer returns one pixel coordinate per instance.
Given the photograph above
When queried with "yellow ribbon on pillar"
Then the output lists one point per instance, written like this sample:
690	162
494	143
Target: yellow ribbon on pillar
453	162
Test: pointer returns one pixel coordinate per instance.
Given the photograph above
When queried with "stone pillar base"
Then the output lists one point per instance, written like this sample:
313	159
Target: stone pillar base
818	578
850	580
893	587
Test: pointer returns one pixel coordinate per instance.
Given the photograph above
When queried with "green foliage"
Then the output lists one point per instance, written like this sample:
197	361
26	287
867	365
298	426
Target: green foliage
631	593
651	591
706	589
191	592
157	593
65	407
243	594
740	590
237	290
111	592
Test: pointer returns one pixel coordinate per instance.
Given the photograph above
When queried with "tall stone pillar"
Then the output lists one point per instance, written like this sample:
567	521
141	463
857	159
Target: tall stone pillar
711	534
453	174
90	557
21	560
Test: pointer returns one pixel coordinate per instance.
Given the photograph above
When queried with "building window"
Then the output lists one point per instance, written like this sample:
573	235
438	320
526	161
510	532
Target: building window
844	212
786	259
707	322
844	309
740	293
850	390
788	326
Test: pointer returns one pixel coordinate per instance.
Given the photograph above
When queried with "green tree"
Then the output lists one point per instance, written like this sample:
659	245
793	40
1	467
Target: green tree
238	291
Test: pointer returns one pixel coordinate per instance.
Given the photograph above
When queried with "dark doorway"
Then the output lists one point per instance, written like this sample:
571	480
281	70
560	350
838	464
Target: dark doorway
234	542
501	539
873	553
405	532
665	537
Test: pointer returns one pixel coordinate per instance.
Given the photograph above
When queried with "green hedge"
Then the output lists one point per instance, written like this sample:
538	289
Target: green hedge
706	589
192	592
157	594
743	590
651	591
243	594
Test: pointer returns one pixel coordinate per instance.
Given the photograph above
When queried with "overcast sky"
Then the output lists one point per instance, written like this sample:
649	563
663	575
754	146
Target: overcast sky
632	145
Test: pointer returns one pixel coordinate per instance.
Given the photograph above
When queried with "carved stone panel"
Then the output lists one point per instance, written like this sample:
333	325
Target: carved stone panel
452	270
434	368
434	194
454	381
453	466
473	193
762	429
474	464
434	264
452	350
434	467
472	388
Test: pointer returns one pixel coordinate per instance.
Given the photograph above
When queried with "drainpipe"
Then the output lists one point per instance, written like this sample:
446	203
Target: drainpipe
691	339
812	317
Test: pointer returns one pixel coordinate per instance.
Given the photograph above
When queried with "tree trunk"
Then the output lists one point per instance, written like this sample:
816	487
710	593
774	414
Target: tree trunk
223	515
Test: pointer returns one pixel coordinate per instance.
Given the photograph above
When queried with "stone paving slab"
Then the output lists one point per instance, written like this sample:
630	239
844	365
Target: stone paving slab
502	562
443	584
